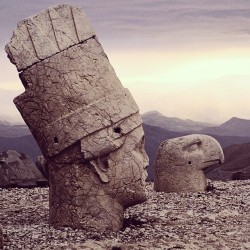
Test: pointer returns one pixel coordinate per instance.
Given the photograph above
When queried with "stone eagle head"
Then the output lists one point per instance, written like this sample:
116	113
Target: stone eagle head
180	163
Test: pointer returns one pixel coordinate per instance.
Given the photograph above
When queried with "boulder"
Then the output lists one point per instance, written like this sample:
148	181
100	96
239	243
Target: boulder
18	170
240	176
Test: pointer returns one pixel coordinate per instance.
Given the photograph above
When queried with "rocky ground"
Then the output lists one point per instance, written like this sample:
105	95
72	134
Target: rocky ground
218	219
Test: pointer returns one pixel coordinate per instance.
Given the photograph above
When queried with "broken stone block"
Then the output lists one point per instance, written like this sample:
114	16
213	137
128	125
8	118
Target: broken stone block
86	123
180	163
47	33
240	176
18	170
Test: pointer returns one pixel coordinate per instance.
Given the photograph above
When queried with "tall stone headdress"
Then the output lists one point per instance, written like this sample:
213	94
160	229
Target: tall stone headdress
74	104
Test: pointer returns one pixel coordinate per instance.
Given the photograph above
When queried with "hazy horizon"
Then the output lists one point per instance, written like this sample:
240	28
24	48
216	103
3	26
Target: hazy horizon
184	59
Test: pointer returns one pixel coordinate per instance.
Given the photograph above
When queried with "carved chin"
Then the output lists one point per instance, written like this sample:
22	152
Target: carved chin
135	194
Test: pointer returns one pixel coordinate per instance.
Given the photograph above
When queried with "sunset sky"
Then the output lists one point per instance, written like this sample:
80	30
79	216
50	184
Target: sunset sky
187	59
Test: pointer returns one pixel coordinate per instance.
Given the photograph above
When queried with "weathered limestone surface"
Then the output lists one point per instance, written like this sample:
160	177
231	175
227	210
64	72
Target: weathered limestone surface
87	125
47	33
180	163
18	170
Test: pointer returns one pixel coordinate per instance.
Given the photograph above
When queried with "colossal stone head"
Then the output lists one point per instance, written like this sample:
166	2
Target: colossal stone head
180	163
86	123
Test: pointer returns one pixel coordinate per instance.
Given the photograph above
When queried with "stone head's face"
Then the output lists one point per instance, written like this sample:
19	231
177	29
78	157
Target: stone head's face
129	165
193	151
124	171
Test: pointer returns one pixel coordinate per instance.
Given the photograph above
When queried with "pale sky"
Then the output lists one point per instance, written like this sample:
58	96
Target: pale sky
186	59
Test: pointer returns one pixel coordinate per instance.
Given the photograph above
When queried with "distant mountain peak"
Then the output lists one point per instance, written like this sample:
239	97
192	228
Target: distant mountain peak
153	112
233	127
235	121
155	118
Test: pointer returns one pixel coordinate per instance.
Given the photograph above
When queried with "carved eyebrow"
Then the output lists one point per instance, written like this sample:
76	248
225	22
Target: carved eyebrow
194	142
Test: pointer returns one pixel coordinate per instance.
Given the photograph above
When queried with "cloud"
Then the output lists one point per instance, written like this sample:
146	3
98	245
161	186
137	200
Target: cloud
8	109
165	20
161	28
215	102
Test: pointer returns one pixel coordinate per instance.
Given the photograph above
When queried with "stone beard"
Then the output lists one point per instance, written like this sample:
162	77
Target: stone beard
87	125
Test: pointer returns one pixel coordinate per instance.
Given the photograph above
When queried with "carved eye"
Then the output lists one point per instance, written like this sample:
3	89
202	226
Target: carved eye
192	148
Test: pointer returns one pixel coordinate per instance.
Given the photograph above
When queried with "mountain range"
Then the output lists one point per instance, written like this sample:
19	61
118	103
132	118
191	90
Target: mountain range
154	136
155	118
234	126
24	144
232	135
8	130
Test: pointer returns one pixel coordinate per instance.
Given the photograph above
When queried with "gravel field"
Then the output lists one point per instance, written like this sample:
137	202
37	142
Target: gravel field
218	219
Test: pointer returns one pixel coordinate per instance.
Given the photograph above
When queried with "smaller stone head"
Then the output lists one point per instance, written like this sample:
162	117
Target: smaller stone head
180	163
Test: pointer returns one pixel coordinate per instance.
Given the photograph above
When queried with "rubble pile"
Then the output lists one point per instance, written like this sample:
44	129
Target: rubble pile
218	219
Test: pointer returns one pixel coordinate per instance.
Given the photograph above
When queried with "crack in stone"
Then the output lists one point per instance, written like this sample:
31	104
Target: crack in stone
41	60
32	42
53	31
73	18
